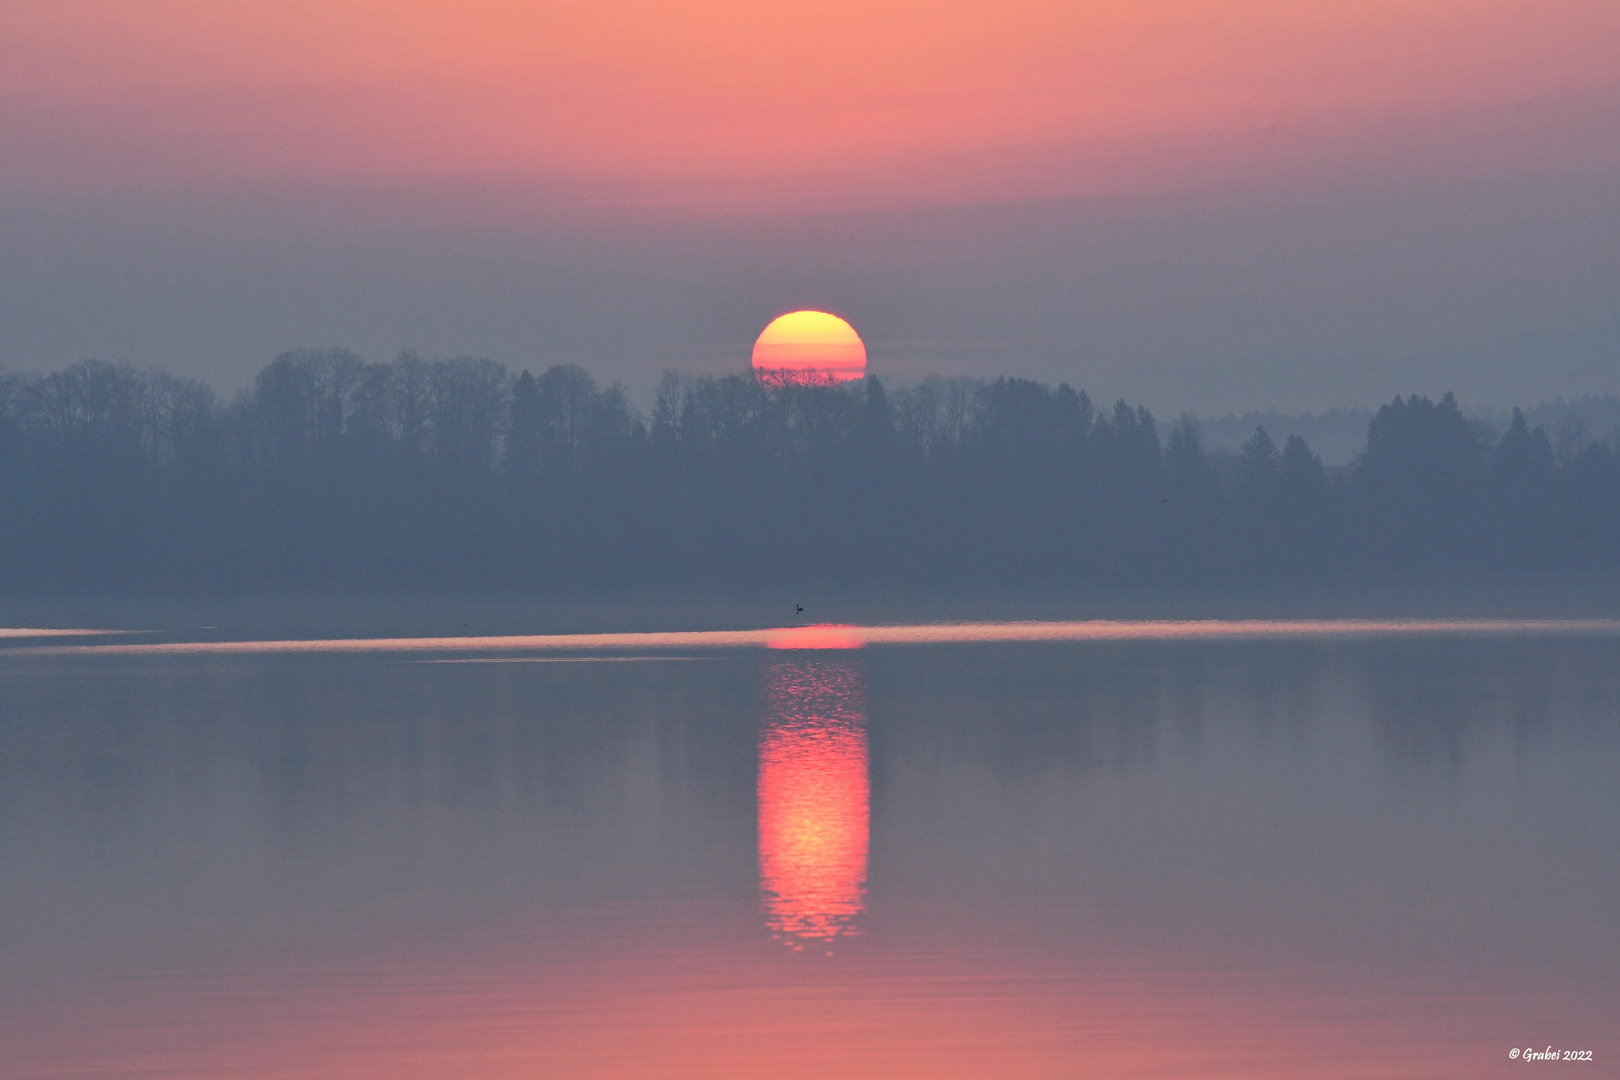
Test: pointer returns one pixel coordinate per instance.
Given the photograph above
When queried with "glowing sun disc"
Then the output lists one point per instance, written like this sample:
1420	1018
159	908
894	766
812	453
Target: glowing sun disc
811	342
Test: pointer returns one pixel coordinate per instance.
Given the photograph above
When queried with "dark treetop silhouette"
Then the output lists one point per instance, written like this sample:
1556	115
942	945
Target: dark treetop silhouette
335	472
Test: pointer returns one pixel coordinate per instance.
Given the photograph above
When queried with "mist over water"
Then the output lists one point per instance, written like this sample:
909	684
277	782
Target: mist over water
1222	855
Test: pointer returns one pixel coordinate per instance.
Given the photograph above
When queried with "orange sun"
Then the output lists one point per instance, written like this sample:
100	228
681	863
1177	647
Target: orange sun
811	344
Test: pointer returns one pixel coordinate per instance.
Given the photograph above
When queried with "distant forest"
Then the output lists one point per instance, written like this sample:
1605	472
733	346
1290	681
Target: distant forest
333	473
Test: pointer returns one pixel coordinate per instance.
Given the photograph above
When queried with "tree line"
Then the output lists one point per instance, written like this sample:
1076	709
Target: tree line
335	473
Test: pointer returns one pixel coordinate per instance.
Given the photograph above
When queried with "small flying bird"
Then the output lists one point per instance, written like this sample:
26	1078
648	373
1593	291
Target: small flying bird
798	609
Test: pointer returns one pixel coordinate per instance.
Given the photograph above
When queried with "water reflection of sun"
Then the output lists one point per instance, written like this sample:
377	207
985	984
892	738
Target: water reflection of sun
813	798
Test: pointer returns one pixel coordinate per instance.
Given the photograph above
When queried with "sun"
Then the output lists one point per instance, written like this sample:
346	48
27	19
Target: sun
811	343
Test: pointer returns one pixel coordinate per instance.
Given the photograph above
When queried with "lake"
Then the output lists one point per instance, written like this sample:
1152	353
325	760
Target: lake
1113	849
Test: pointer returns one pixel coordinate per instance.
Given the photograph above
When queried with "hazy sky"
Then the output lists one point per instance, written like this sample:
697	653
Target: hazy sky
1202	205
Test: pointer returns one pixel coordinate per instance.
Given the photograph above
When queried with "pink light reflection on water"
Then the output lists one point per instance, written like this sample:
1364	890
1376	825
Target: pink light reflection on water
936	983
817	636
814	798
936	991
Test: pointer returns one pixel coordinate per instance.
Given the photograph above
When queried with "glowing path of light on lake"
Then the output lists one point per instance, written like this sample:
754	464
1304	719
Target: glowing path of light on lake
828	636
814	798
44	632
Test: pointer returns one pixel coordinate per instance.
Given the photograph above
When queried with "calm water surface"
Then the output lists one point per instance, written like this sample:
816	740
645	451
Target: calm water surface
1369	850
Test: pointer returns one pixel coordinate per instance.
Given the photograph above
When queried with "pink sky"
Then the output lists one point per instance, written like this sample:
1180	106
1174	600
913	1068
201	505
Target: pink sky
727	99
1196	204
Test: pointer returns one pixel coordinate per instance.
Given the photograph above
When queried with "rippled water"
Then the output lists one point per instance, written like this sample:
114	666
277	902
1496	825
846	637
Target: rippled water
1088	849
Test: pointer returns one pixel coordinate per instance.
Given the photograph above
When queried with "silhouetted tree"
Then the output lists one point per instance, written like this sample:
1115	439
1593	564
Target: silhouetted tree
1590	517
667	402
567	397
1420	483
1300	477
331	472
1193	504
525	439
470	399
1523	496
412	386
1522	459
877	423
1258	461
1189	477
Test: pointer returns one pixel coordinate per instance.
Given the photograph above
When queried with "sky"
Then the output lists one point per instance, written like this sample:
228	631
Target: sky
1200	205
